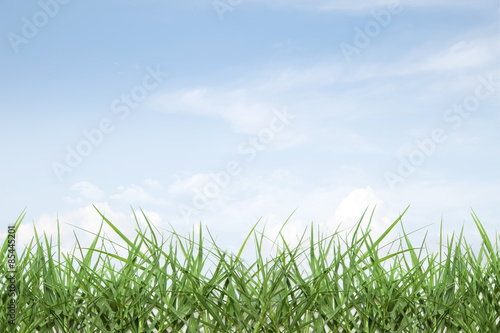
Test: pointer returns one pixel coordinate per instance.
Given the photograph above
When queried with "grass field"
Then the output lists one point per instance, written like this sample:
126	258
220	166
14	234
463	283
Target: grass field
327	283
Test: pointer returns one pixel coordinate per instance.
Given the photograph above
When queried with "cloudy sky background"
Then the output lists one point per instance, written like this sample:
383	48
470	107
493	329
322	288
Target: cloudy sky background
290	104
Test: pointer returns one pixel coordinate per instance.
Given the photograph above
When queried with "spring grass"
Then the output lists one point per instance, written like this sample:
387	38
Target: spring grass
325	284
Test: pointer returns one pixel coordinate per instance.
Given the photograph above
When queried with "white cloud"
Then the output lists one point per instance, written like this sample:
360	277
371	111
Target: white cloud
85	222
77	221
71	200
364	5
153	217
187	185
348	211
349	5
137	195
273	196
360	5
154	184
87	192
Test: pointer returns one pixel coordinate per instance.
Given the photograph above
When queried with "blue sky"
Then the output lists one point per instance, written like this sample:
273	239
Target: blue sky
228	111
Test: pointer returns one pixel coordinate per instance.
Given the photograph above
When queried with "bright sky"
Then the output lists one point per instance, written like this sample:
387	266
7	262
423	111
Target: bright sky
229	111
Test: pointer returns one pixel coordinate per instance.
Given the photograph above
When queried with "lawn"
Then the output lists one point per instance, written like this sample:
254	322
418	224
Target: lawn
328	283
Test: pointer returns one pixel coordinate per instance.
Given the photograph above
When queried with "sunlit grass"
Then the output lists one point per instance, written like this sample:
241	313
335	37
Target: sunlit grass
325	284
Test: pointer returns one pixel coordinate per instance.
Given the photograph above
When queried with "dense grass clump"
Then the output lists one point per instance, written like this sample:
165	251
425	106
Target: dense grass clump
325	284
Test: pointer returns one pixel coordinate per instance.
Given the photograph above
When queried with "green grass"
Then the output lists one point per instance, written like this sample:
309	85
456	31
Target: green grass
325	284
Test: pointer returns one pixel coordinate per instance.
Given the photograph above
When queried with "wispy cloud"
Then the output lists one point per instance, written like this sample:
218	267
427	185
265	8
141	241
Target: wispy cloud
364	5
462	55
236	106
